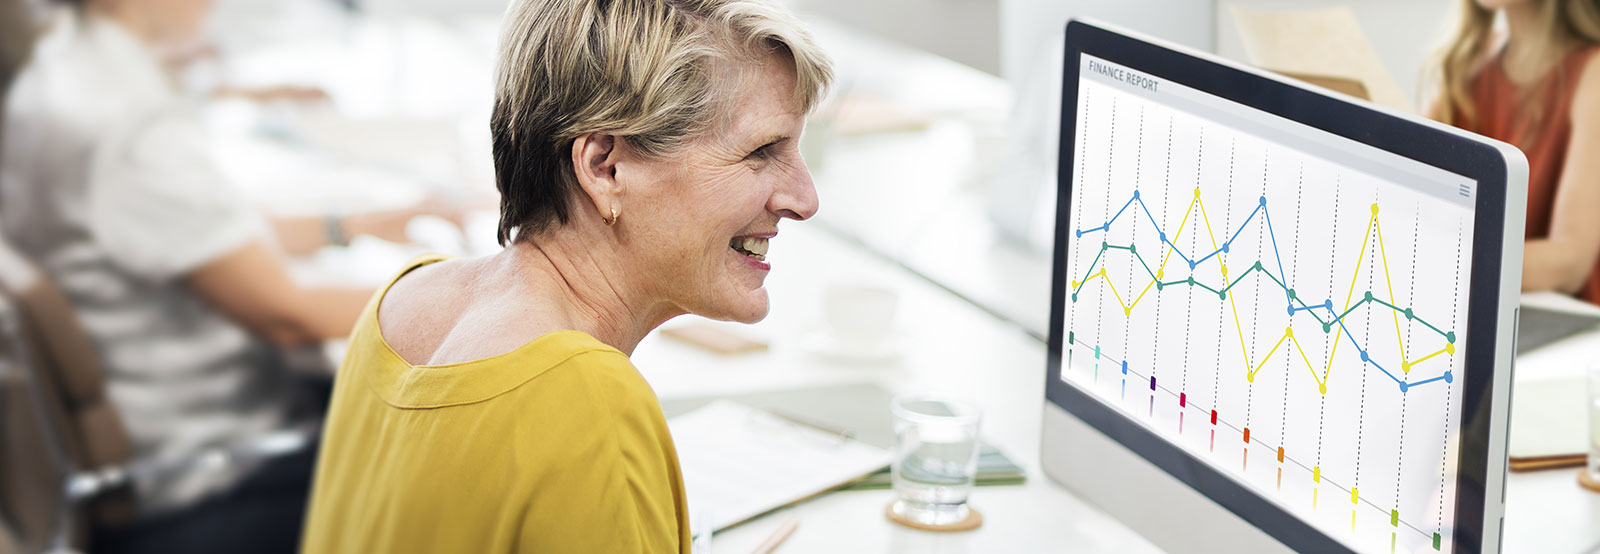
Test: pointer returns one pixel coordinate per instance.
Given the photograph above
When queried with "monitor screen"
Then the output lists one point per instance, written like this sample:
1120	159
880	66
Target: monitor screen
1286	305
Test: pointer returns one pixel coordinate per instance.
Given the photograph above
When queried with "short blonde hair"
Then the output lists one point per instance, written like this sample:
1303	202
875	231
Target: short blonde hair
653	72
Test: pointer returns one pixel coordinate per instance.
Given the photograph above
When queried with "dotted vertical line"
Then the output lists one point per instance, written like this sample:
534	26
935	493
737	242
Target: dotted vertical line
1188	328
1411	301
1333	249
1444	449
1079	178
1222	311
1255	314
1294	264
1166	194
1366	338
1133	237
1111	149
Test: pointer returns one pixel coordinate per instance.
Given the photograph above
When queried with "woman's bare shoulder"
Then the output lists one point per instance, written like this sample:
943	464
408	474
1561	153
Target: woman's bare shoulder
421	306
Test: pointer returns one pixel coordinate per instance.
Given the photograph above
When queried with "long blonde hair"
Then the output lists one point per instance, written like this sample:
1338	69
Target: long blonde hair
1568	23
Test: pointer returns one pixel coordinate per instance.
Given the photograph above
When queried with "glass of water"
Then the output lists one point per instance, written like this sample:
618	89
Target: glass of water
936	457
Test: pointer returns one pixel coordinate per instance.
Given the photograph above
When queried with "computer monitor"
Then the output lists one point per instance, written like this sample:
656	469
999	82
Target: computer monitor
1282	318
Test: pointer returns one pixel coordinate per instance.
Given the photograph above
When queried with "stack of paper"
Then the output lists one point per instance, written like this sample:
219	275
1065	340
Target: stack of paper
739	462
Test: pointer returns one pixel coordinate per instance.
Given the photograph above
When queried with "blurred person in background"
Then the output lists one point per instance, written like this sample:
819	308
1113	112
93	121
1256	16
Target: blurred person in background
106	183
16	40
1537	86
645	152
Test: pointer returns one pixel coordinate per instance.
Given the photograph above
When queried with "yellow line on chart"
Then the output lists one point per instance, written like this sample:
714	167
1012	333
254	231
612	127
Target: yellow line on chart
1448	349
1405	365
1237	326
1172	246
1288	334
1322	386
1359	256
1147	288
1126	309
1252	367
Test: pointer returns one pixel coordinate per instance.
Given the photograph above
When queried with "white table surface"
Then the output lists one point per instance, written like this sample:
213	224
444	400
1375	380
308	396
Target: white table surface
1546	511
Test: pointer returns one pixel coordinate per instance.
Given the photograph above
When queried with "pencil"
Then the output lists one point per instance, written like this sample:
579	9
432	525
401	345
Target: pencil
783	532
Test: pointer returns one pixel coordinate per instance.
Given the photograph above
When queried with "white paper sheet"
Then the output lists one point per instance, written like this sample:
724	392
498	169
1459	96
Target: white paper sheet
739	462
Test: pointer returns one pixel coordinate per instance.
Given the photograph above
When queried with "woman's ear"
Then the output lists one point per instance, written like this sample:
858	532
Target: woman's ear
594	163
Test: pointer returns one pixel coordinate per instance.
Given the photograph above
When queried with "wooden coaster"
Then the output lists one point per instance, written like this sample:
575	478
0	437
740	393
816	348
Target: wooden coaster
1587	481
973	521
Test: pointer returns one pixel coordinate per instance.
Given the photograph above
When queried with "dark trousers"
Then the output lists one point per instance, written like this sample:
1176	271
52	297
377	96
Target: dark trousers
262	513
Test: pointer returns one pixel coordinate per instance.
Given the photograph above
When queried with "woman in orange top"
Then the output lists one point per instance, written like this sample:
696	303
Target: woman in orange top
1536	85
645	152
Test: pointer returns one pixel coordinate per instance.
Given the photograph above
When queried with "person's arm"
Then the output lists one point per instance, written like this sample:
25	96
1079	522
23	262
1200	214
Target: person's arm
1562	261
251	286
303	236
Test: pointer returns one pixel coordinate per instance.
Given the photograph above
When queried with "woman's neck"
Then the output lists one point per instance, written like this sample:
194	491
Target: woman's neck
579	283
1530	50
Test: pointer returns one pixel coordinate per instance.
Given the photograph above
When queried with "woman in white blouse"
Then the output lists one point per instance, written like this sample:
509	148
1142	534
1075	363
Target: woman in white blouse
107	183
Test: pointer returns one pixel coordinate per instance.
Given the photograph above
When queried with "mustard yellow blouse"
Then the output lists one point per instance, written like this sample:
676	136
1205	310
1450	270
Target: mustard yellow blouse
558	446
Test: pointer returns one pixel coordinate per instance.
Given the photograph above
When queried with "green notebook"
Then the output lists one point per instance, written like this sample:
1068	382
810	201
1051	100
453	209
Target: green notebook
994	468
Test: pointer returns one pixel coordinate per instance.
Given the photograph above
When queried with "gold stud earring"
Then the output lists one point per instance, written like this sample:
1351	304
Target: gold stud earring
613	219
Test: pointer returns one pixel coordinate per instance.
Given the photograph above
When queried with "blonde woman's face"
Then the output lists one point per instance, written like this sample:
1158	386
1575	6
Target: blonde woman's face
698	222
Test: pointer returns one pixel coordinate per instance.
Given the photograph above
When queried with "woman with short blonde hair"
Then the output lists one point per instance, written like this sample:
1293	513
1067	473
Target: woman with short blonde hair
645	151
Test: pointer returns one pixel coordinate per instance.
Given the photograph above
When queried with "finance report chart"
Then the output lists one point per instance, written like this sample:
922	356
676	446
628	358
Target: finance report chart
1281	303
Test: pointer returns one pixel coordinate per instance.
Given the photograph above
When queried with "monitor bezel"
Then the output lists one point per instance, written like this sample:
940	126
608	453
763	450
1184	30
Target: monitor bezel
1428	144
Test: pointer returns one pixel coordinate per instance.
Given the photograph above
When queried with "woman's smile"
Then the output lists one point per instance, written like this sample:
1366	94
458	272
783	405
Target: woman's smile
753	248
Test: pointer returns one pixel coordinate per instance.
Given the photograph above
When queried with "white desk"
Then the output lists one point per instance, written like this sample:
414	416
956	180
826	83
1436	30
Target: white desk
1546	511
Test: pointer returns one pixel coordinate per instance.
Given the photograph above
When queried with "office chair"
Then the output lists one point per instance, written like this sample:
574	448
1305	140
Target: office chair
57	418
67	463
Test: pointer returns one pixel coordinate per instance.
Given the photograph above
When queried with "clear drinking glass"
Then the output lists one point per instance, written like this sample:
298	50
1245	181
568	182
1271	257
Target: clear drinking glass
936	457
